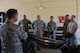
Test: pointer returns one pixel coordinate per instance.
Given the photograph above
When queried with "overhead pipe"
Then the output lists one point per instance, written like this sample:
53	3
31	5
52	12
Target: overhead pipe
77	9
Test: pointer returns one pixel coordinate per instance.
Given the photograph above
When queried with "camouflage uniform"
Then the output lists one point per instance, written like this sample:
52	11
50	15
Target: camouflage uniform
65	26
11	35
25	24
39	27
51	26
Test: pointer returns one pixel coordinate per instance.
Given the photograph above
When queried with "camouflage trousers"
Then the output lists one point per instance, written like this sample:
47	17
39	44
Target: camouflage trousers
13	49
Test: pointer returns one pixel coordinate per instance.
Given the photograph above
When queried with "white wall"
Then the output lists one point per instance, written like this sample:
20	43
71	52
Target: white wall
56	9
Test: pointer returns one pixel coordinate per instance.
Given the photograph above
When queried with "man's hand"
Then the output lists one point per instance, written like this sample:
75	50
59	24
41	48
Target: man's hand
63	38
73	31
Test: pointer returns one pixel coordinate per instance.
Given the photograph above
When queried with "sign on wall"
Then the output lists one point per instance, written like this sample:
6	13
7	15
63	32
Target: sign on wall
62	19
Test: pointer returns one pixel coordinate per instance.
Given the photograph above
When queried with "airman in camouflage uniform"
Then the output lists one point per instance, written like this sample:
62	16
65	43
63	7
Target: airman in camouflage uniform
25	24
39	26
51	26
12	33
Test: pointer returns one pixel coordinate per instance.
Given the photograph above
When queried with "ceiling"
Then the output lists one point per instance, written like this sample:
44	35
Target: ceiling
37	0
